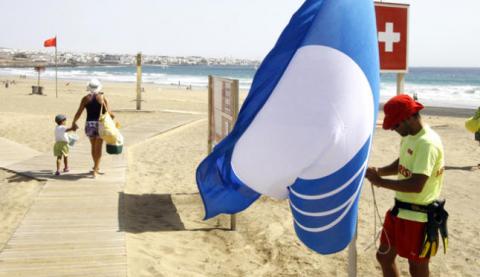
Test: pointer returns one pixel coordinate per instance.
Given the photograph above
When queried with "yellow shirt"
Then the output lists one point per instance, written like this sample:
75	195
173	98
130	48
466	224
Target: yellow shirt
421	154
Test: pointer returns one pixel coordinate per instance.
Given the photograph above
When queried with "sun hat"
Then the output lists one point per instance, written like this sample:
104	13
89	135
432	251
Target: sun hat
94	86
399	108
59	118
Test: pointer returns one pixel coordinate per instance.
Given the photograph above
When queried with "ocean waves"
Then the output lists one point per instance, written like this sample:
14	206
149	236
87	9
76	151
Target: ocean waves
444	87
446	95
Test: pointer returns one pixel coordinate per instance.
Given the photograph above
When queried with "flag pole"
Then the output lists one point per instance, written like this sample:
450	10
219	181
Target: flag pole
352	256
56	69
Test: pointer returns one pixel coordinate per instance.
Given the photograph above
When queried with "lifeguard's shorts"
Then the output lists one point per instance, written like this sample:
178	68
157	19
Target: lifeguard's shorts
405	235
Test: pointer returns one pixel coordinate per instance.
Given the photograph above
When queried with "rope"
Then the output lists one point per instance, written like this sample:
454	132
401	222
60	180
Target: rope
376	234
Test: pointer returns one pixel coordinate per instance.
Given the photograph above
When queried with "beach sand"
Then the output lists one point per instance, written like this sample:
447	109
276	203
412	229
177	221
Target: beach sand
166	235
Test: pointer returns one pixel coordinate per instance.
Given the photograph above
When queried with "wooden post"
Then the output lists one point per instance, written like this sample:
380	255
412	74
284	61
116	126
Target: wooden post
233	222
139	81
210	115
235	88
400	83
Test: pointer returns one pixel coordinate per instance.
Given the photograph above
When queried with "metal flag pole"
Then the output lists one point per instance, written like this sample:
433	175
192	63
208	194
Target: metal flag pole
352	256
56	69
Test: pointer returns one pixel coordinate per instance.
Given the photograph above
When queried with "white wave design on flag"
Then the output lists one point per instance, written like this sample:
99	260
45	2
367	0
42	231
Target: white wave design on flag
348	204
333	192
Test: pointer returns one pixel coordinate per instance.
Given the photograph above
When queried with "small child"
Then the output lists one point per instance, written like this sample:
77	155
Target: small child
60	149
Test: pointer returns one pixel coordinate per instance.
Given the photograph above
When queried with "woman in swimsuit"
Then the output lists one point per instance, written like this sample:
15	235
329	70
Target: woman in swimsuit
93	102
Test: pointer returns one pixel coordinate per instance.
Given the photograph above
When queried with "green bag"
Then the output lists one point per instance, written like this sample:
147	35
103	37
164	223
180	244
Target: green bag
114	149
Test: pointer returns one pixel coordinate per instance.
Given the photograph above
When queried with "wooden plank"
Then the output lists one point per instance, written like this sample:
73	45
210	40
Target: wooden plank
63	229
62	256
63	252
77	272
57	245
12	152
79	235
65	266
61	221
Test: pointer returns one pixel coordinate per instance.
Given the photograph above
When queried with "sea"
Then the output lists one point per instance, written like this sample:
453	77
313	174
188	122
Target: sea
433	86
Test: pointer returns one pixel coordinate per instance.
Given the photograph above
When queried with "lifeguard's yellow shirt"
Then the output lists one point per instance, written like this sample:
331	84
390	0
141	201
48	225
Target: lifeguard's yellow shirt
421	154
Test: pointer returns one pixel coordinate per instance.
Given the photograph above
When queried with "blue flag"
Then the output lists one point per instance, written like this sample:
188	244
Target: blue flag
304	132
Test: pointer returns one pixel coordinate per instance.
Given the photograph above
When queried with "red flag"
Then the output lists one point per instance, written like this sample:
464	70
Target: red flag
51	42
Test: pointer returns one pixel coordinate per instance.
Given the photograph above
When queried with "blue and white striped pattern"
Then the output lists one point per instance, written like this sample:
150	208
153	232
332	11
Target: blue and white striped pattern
325	210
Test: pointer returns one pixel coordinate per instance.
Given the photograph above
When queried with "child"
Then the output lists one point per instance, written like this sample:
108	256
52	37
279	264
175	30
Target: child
60	149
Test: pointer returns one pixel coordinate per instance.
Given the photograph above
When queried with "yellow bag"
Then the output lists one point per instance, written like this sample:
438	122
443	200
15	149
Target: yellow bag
106	128
473	123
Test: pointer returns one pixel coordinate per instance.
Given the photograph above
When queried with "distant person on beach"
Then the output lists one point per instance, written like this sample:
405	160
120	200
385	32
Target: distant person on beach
93	102
411	227
477	135
61	148
477	138
472	124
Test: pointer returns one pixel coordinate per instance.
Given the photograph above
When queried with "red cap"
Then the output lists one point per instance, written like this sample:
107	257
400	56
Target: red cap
399	108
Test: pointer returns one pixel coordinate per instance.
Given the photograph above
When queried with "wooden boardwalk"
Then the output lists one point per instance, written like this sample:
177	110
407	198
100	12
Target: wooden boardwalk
73	227
12	152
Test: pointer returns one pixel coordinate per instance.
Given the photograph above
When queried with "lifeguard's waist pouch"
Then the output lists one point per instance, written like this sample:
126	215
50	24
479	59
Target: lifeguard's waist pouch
437	222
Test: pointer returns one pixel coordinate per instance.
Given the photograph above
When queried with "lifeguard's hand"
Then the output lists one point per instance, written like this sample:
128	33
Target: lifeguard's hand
372	176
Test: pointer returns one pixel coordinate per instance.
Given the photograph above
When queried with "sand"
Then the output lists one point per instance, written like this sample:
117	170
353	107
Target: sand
17	194
166	235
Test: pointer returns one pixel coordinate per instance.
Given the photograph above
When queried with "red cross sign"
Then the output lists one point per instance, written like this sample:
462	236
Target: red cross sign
392	32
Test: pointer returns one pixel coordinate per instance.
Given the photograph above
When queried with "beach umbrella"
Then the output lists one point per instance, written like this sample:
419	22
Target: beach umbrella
305	129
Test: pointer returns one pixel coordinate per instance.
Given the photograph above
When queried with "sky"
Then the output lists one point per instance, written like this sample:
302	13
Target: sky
441	32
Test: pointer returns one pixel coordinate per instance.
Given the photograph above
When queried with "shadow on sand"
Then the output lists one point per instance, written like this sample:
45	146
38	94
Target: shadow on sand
17	178
151	213
48	174
466	168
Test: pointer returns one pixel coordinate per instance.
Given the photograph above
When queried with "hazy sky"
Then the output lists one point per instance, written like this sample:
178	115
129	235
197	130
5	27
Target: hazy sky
442	33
